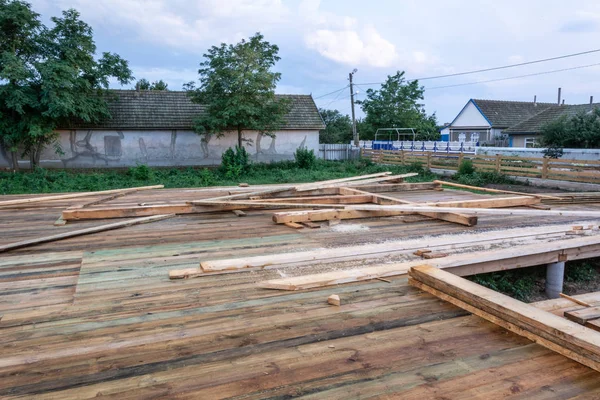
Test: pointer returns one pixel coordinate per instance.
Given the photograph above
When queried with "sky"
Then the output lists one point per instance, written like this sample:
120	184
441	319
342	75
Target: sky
320	42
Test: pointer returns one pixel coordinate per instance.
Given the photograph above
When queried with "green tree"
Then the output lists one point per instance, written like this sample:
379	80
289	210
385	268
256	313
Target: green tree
159	85
581	131
397	104
338	127
142	84
237	87
49	76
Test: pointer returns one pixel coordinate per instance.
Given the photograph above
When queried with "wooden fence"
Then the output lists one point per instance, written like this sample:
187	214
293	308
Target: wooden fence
545	168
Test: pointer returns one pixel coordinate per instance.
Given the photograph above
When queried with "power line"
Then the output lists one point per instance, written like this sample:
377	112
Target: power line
335	91
335	98
514	77
491	69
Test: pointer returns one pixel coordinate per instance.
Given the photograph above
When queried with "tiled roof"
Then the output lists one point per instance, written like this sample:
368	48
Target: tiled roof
503	114
535	123
151	109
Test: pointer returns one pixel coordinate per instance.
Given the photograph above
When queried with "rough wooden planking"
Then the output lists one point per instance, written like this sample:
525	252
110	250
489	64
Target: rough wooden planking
564	333
87	231
506	325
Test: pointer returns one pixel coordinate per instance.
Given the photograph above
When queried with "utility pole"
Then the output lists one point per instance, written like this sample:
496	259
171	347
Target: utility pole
354	132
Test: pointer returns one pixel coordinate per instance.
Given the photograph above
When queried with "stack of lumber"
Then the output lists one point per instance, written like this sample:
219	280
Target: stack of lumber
463	264
551	331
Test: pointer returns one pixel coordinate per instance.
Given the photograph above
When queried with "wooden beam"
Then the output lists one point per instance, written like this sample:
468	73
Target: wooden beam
487	203
507	325
103	200
453	217
398	187
574	300
552	328
408	209
583	315
334	182
326	215
345	199
381	249
87	231
249	205
458	185
73	195
131	211
461	264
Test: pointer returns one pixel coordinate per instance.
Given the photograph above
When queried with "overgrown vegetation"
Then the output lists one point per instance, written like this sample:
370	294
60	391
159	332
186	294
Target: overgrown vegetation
53	181
305	158
467	174
581	131
527	284
234	163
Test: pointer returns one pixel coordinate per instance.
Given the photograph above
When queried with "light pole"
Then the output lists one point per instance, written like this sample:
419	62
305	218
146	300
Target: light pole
354	132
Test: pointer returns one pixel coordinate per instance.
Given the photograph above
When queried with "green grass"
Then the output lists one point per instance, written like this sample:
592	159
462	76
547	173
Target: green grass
55	181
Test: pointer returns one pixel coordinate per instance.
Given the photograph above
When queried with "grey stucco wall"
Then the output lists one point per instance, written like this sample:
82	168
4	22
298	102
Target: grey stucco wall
106	148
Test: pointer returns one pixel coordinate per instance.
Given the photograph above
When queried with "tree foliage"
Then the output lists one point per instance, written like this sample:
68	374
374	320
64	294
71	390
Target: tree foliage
237	87
397	104
144	84
49	76
338	127
581	131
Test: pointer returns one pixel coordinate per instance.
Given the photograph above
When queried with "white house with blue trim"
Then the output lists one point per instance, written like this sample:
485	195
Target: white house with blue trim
483	122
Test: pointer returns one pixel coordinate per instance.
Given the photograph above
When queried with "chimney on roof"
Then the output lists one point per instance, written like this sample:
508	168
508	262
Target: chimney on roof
563	102
535	100
591	102
559	93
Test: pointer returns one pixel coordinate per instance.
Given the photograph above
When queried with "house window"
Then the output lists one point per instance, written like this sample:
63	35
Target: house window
112	146
531	142
462	137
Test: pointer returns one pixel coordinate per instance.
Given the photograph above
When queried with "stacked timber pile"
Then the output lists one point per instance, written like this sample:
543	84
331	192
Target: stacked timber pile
302	205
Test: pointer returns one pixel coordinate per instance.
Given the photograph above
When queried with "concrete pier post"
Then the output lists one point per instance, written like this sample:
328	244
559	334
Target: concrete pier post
555	273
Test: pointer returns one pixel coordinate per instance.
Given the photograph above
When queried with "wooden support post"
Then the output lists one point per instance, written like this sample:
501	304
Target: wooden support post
428	160
545	165
498	162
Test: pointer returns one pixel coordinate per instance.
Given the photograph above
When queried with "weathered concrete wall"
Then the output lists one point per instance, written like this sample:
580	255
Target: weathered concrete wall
98	148
569	154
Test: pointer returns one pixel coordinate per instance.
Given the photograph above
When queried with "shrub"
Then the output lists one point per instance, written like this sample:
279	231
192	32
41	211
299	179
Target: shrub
416	167
466	168
305	158
141	172
580	271
234	163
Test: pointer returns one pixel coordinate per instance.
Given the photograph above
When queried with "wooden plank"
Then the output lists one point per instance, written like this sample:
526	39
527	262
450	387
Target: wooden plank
73	195
132	211
453	217
293	225
583	315
344	199
378	249
104	200
311	225
408	209
574	300
507	325
488	203
593	324
87	231
250	205
356	182
462	264
489	190
398	187
567	334
326	215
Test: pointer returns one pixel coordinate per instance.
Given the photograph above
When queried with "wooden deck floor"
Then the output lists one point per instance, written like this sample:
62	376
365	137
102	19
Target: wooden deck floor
97	316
